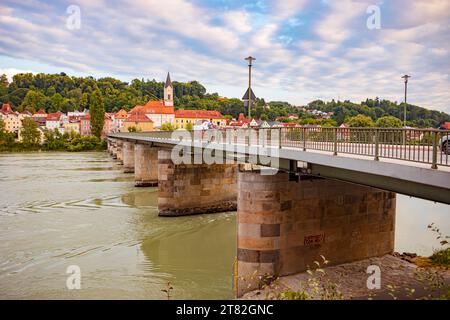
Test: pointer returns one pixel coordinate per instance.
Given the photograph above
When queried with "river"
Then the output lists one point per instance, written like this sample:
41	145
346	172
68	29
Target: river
63	209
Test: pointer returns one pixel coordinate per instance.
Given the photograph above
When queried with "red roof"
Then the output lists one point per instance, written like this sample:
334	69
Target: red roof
154	107
41	111
121	114
6	108
74	118
138	117
53	116
446	125
200	114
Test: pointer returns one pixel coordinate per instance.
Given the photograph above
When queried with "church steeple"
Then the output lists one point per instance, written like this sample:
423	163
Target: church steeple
168	92
168	81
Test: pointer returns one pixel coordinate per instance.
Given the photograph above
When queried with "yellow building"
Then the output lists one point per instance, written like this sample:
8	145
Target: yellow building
137	121
13	123
184	117
73	126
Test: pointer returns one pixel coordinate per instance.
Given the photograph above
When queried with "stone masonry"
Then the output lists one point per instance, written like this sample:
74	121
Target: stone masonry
145	165
284	226
195	188
119	151
128	157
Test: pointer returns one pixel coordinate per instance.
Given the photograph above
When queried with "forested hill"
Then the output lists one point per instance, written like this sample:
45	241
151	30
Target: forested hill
376	108
61	92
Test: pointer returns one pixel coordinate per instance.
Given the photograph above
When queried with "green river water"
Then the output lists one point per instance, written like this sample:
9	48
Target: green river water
62	209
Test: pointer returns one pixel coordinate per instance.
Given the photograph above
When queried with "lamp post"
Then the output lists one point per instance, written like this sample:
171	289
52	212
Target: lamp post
406	77
250	60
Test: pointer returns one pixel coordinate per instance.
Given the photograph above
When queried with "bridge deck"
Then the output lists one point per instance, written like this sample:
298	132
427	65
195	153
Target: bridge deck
399	174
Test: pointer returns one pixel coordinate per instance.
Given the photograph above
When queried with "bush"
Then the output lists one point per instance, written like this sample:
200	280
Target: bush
441	257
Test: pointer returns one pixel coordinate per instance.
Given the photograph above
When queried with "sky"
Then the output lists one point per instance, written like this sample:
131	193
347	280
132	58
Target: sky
304	49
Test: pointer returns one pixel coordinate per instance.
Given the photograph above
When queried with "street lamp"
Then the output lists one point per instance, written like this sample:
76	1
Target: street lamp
406	77
249	94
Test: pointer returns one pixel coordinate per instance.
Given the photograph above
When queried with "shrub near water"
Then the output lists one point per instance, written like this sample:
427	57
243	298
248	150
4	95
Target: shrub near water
55	141
441	256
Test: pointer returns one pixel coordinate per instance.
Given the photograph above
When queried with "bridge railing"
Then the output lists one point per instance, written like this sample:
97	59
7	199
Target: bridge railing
418	145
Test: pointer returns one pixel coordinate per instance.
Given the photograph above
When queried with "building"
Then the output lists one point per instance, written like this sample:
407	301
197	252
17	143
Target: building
183	117
445	126
72	126
25	114
159	112
168	92
119	119
6	108
40	114
343	132
41	121
139	121
85	125
241	122
53	121
76	113
12	122
108	125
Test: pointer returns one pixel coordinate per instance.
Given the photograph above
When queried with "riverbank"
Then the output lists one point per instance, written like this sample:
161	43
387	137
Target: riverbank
70	144
400	279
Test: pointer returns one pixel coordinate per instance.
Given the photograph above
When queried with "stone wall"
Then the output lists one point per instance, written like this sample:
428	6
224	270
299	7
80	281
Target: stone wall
284	226
119	150
195	189
128	157
146	165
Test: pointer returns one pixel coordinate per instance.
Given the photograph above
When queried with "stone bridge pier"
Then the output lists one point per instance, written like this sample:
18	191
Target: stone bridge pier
119	150
128	157
112	147
284	226
145	165
186	189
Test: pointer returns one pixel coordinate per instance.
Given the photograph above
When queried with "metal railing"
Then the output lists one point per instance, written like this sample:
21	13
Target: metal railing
427	146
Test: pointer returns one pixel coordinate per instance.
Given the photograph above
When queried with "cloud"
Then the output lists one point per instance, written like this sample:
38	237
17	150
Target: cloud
287	8
10	72
304	49
238	21
335	26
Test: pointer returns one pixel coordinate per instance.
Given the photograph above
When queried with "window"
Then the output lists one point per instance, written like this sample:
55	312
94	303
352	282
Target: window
168	96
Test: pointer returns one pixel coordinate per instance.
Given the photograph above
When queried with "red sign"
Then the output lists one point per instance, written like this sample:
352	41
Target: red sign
314	239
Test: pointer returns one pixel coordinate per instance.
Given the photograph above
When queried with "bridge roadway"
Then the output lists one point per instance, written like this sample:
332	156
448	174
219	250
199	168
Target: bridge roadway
396	173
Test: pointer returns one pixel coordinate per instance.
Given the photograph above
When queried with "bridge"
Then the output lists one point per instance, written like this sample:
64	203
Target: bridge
299	192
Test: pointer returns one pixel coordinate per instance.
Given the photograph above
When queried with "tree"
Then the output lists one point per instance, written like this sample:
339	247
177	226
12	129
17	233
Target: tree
189	126
134	129
84	101
34	100
328	123
360	121
389	122
97	112
30	133
6	138
3	87
166	126
56	103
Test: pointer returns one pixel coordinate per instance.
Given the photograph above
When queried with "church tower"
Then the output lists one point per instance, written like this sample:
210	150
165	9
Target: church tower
168	92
